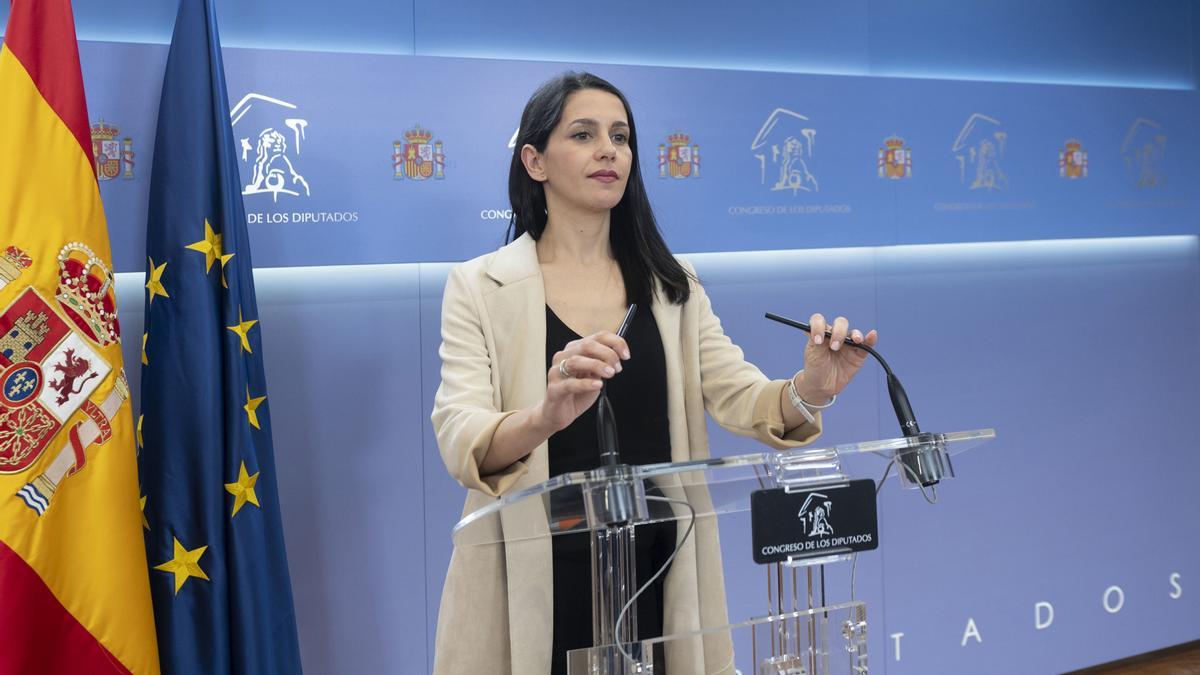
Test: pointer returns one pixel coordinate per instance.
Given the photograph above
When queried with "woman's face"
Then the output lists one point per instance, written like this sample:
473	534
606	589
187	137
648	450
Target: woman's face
588	157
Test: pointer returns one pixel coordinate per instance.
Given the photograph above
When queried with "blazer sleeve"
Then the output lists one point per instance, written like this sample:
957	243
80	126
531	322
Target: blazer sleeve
465	415
736	393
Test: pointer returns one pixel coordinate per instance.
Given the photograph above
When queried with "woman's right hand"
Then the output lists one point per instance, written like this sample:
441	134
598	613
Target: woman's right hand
589	362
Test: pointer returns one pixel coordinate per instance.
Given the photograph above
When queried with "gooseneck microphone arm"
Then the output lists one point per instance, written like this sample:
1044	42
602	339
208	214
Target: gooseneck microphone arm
904	412
606	422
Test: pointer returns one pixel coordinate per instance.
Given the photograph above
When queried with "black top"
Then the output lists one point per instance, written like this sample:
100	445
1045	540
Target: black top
638	395
639	400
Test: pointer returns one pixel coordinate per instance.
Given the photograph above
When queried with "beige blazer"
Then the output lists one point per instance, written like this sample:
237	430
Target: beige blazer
495	614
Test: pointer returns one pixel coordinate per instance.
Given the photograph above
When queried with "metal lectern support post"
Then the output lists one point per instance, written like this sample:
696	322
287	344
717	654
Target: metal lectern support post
614	581
614	506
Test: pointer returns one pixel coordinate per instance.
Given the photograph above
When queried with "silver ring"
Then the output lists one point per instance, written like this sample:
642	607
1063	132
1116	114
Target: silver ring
562	369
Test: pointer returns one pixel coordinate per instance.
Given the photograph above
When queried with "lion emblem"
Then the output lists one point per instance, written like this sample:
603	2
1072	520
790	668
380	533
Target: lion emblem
73	368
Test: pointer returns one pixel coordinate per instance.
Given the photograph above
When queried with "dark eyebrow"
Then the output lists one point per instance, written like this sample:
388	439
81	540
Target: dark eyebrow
591	123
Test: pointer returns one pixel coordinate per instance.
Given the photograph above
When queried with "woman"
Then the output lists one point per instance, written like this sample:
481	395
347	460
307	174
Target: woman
528	340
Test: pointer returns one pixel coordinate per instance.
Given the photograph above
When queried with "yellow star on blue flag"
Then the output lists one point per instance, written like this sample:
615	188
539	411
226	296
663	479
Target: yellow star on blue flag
184	565
242	489
242	330
210	246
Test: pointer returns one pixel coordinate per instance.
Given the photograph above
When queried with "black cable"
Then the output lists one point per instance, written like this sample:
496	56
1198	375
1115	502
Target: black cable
678	545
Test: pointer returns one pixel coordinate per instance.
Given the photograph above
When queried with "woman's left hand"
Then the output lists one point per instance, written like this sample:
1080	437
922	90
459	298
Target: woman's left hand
829	364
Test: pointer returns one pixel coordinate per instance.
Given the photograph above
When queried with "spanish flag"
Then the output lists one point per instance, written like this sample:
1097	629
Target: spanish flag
74	588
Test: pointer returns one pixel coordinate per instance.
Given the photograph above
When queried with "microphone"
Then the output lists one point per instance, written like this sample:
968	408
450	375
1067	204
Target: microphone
922	464
606	422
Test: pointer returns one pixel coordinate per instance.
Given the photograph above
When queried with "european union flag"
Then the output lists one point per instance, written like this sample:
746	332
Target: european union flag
219	575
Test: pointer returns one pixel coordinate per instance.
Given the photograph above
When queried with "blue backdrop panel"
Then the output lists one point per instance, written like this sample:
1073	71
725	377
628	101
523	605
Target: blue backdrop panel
1107	42
444	497
1067	41
359	25
1078	354
343	369
757	36
352	158
1138	167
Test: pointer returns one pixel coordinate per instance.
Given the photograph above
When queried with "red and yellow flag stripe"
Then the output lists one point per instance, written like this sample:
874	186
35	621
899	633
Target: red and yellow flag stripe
74	590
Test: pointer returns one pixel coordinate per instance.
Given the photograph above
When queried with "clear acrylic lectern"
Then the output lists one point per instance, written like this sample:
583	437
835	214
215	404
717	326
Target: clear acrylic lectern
611	503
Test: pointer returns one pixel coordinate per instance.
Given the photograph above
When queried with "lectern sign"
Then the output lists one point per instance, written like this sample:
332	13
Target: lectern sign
819	521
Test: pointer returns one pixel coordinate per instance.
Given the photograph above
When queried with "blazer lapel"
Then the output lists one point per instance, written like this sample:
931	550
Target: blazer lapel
669	318
515	261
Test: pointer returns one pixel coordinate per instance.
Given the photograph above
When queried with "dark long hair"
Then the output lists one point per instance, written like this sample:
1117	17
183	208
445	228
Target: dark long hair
633	232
